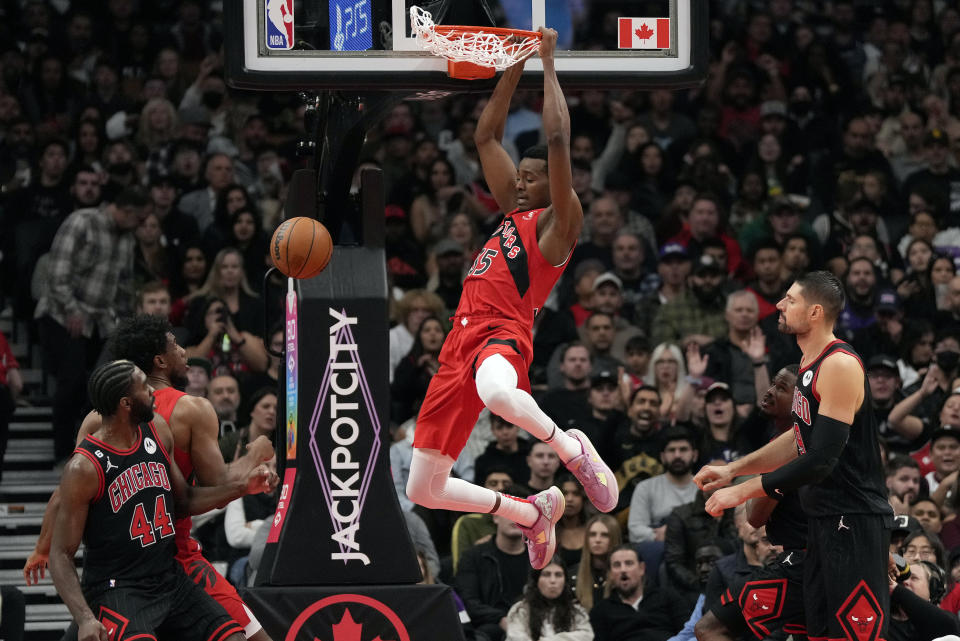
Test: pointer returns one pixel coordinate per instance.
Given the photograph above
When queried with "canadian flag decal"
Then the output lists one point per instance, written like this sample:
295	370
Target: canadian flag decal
644	33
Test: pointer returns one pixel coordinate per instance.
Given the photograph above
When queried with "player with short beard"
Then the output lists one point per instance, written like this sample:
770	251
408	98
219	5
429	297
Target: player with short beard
149	343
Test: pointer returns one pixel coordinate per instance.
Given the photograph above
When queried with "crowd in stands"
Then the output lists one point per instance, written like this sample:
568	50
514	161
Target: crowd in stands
133	179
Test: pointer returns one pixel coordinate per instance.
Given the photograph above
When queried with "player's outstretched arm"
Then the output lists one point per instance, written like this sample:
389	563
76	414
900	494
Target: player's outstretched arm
566	220
78	486
199	415
759	510
35	567
498	168
777	452
197	500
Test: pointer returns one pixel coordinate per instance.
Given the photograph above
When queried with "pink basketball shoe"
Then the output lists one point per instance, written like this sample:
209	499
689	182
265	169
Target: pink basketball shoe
596	476
541	536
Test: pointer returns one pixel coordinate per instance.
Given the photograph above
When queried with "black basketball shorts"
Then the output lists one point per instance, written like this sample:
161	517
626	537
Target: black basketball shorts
169	607
845	585
768	600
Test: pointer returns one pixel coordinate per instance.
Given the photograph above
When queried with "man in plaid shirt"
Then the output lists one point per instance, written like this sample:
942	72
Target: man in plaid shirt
698	315
90	283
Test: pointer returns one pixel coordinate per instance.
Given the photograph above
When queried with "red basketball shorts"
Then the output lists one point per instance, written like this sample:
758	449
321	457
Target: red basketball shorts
206	576
452	406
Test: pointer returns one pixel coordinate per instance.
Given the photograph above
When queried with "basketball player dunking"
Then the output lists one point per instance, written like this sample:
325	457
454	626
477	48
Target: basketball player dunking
486	356
149	343
832	458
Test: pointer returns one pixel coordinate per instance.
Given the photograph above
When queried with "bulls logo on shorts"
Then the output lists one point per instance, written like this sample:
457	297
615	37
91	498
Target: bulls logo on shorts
761	603
114	622
861	615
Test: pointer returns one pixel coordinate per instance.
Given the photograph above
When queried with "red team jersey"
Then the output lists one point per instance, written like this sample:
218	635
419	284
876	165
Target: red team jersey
188	549
505	288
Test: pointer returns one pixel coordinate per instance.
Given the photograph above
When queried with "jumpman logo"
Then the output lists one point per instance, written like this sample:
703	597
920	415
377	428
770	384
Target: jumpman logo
842	525
110	465
787	561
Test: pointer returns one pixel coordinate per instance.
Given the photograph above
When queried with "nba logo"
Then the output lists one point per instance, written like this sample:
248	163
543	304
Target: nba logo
279	24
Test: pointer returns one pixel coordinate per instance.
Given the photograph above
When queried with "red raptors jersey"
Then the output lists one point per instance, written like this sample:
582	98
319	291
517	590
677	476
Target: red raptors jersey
510	277
166	400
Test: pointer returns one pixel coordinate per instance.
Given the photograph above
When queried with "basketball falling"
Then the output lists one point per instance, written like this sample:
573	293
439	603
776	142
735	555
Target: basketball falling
301	247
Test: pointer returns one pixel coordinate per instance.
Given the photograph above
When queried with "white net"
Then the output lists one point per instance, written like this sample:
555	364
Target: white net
487	49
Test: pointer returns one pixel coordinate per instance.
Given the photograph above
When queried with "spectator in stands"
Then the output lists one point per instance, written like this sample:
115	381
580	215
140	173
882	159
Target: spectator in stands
201	203
85	188
796	256
568	400
755	551
263	421
739	359
608	298
939	176
414	372
548	609
506	451
633	611
689	528
224	317
927	511
450	261
655	498
703	222
242	519
769	286
150	259
470	529
572	526
188	274
599	333
673	269
629	265
34	215
603	536
411	310
667	374
698	314
223	392
601	222
199	372
914	614
230	199
491	576
86	293
270	376
543	463
903	483
883	375
860	283
856	157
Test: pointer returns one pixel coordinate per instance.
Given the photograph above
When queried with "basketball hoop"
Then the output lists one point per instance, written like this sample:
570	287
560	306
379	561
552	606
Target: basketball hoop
472	52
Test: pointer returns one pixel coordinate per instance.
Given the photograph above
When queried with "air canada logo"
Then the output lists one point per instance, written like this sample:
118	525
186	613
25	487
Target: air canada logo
347	617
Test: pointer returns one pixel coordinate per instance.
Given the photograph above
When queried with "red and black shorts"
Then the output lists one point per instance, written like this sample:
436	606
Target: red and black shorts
169	607
452	405
769	600
845	585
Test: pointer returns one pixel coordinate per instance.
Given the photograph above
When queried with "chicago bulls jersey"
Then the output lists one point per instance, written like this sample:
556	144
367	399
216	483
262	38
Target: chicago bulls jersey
129	533
856	484
510	277
166	399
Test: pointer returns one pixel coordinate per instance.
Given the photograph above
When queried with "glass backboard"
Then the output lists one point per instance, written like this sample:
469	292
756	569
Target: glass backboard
363	45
